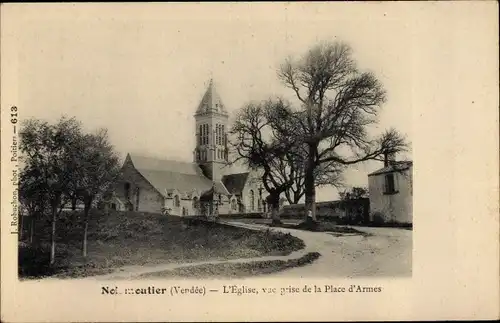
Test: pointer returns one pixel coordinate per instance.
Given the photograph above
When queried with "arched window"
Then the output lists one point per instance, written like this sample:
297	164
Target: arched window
217	134
220	134
177	201
252	200
127	191
234	204
195	203
204	138
199	135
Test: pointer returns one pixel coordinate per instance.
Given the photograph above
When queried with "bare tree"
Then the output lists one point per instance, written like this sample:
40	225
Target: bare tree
337	105
261	145
329	174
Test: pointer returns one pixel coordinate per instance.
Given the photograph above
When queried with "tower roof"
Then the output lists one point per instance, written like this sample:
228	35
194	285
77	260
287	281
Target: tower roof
211	102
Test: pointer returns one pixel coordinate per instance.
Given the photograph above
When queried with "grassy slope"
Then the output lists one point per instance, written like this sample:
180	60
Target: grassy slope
230	270
133	238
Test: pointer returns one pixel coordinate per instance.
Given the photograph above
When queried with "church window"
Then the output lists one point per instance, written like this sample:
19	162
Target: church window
127	191
200	135
177	201
234	204
252	200
195	204
220	134
217	134
204	138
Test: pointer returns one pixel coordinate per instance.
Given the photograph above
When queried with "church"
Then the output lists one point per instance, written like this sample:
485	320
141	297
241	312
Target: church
205	186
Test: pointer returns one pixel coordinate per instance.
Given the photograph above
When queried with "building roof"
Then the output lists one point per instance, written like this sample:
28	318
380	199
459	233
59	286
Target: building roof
167	175
217	189
235	182
211	102
393	167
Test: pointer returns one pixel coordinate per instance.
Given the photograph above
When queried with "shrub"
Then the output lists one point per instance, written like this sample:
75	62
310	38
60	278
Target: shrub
34	261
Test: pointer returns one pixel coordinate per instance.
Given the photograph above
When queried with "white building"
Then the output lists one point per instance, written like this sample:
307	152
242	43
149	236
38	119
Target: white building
391	192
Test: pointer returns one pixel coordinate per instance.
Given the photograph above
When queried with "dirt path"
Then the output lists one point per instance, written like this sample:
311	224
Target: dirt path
387	252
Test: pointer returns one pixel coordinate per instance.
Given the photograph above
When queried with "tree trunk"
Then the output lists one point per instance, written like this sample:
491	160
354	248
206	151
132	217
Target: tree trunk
296	197
73	203
88	203
310	192
32	228
53	236
274	202
309	187
85	230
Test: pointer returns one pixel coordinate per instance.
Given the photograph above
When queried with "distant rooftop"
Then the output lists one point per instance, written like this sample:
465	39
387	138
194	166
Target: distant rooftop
395	166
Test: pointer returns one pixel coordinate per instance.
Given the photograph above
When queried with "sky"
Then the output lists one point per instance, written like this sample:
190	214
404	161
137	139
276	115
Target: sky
140	71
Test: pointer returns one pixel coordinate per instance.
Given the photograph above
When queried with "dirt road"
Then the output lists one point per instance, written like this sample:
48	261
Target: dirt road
386	253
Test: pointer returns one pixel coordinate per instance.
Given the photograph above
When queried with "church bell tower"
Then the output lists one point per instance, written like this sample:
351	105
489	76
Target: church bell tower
211	119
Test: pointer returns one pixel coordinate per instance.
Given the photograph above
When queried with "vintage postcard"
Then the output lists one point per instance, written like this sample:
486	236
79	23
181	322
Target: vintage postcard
249	161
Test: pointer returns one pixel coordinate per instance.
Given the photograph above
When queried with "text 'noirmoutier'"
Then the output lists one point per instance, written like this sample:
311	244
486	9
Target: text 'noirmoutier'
239	290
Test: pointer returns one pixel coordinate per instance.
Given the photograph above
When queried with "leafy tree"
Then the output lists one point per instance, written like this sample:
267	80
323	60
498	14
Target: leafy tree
338	103
354	193
32	197
98	168
51	163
